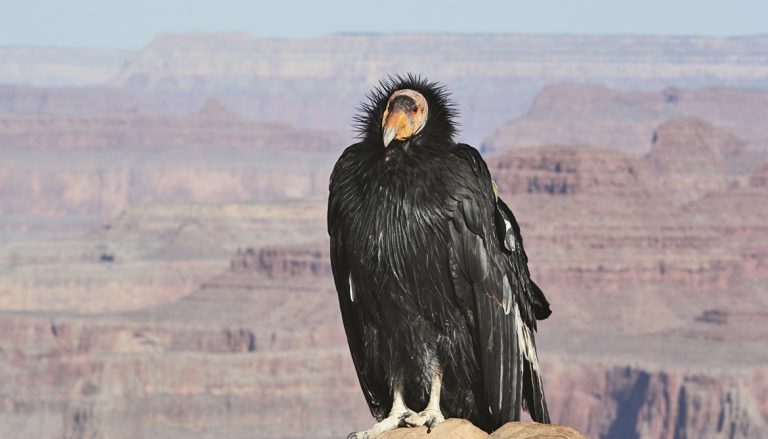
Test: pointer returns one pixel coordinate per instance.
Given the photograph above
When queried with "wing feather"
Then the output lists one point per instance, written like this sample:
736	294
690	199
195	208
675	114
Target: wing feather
378	398
489	266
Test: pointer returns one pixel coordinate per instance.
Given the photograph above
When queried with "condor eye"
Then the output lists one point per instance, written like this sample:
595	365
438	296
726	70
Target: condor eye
415	110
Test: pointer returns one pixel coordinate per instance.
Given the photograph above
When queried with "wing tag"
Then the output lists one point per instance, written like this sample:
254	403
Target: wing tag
509	238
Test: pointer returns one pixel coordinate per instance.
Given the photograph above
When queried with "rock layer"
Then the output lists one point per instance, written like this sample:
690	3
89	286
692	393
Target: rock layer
606	118
317	82
213	126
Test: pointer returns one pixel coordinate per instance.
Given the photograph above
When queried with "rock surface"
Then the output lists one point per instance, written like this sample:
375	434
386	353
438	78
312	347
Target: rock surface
463	429
528	430
451	428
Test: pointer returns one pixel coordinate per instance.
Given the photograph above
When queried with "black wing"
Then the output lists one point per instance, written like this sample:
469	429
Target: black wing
340	196
490	273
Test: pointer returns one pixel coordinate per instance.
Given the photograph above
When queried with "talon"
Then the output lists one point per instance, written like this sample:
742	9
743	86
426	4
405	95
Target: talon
430	424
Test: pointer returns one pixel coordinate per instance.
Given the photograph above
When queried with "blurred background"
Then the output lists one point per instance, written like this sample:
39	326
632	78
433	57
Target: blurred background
164	269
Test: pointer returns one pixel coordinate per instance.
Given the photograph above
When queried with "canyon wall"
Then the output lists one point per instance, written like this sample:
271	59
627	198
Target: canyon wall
624	120
318	82
164	265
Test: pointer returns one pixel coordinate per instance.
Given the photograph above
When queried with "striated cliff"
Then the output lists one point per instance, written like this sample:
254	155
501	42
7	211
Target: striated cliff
658	402
607	118
691	158
215	60
90	168
317	82
213	126
556	170
692	145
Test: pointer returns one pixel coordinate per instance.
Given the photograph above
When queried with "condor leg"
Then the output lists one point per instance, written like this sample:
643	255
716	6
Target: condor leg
432	415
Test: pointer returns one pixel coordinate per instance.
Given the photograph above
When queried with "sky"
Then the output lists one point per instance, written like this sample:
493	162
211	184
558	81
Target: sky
133	24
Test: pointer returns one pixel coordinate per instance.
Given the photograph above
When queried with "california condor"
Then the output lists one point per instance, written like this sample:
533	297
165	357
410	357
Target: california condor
435	294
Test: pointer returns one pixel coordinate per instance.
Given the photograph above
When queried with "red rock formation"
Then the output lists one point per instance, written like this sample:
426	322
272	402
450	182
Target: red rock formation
282	262
669	403
606	118
105	164
693	146
691	157
759	179
568	171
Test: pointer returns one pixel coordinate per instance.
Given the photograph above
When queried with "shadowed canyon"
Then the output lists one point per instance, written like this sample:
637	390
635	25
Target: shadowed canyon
164	267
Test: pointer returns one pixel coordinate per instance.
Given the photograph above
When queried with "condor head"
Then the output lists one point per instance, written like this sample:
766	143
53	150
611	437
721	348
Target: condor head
404	116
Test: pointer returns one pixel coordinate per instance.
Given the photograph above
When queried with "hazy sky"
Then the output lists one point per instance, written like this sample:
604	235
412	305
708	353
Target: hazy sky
132	24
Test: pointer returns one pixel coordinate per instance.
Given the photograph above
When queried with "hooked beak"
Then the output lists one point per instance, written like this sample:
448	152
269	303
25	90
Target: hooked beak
389	134
396	126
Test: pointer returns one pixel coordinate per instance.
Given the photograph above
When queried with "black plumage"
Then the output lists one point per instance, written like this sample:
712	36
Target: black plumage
430	270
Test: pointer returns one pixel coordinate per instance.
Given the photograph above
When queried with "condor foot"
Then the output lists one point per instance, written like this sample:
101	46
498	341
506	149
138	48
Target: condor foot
391	422
429	418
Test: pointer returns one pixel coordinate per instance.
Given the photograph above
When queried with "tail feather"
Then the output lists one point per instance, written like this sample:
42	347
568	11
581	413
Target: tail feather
541	308
533	394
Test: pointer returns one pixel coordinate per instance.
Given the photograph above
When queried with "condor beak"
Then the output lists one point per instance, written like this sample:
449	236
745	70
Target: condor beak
389	134
396	126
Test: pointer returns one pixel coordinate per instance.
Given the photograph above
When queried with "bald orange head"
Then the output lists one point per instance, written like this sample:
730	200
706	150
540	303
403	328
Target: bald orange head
405	115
